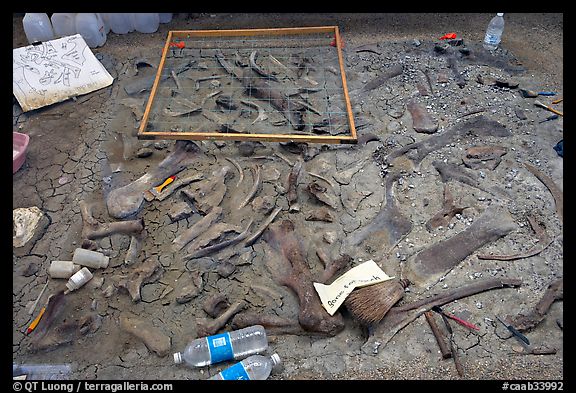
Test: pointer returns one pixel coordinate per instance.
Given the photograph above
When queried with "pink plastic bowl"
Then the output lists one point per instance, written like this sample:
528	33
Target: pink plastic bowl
19	145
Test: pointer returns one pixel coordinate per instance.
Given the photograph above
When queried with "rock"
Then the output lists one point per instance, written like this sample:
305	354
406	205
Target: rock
160	145
180	210
190	290
226	268
226	102
109	291
330	237
320	214
26	223
393	126
30	270
153	338
263	204
246	149
144	152
520	113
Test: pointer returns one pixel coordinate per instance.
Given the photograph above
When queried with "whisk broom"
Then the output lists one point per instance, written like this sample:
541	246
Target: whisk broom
370	304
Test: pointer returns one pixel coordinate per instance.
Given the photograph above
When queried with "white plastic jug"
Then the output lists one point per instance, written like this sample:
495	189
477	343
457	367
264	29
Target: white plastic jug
37	27
165	18
64	24
91	27
120	23
105	21
146	22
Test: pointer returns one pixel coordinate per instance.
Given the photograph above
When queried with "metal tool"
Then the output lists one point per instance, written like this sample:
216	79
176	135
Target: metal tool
515	332
553	117
455	318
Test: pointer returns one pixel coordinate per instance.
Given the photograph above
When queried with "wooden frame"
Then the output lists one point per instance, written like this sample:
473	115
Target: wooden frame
331	139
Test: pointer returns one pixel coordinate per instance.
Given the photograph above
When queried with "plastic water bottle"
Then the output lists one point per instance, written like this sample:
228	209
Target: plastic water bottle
42	371
91	27
494	32
120	23
218	348
146	22
37	27
165	18
64	24
255	367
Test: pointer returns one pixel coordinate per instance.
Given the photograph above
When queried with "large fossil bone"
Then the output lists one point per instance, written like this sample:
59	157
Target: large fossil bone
292	270
430	264
127	200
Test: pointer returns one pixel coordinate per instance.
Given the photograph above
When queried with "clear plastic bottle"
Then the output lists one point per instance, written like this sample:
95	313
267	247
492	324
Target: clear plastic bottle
64	24
91	27
165	18
42	371
120	23
255	367
37	27
146	22
218	348
494	32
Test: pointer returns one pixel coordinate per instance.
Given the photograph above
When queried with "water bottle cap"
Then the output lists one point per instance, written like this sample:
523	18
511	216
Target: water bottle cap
275	359
177	358
500	14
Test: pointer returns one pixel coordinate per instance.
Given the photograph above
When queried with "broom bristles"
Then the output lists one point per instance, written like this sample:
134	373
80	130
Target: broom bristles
371	303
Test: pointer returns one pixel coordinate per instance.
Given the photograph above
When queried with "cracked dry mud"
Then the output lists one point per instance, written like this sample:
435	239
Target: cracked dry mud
83	149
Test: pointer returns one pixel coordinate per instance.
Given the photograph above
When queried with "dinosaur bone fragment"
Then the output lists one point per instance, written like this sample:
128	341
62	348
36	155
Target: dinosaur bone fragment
215	305
422	121
197	229
433	262
448	211
255	187
289	268
208	327
92	229
543	242
388	227
127	200
552	187
208	193
154	339
479	126
479	157
322	194
274	324
147	272
555	291
292	186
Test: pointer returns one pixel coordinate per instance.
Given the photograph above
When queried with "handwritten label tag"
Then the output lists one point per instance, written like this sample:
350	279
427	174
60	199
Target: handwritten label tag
333	295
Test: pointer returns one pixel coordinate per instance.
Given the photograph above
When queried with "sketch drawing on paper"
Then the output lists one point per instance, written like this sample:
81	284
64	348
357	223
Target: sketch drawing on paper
56	70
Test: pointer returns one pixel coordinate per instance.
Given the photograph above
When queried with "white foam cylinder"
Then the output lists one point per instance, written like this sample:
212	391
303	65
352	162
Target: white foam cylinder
89	258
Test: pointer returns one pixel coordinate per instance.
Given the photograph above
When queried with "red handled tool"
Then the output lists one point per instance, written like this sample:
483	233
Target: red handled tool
455	318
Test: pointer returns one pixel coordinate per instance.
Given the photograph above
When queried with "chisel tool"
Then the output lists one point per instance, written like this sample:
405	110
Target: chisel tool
515	332
155	191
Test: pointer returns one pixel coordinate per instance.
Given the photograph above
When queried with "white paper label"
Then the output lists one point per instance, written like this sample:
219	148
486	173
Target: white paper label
333	295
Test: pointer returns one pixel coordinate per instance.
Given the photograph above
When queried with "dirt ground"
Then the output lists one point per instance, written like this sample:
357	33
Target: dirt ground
85	149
